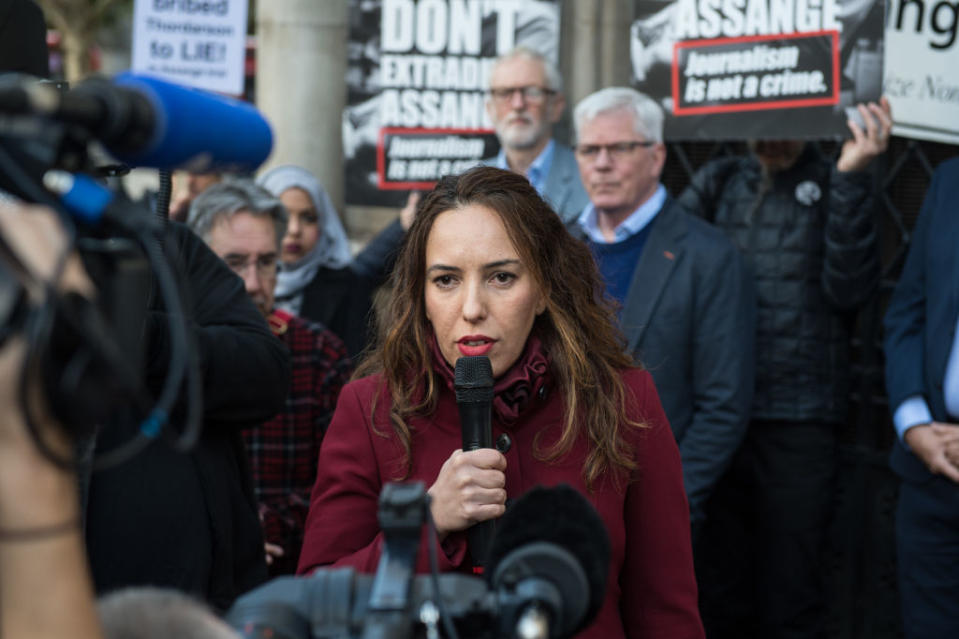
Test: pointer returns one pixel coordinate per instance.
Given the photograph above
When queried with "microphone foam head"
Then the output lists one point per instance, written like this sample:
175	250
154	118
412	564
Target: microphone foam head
563	517
473	378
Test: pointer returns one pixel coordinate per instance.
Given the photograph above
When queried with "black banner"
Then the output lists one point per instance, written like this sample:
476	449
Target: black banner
417	80
733	69
416	158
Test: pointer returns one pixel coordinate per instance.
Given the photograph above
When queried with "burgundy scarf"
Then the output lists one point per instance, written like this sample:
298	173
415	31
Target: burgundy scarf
513	390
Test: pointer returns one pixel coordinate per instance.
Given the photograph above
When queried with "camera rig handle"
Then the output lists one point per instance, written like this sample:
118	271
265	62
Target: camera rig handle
402	513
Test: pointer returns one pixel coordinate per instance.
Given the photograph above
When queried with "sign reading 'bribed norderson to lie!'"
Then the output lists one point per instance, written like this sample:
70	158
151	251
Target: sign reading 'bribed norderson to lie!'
758	68
197	43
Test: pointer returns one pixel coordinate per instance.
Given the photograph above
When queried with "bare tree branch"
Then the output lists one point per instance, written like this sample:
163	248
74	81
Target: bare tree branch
99	10
55	13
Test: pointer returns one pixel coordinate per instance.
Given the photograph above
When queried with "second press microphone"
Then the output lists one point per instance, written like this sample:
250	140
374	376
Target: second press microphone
473	383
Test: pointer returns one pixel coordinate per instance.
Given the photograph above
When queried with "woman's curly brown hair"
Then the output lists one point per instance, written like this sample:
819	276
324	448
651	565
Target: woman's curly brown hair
577	329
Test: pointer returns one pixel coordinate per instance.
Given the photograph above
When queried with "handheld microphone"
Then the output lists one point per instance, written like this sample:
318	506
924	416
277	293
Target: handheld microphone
550	561
473	383
148	122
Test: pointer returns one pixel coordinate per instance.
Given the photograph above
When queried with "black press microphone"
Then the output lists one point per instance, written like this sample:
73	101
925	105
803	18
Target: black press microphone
473	382
549	563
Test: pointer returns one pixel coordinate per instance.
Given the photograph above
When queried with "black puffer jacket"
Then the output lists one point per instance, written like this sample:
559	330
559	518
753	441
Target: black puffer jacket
809	234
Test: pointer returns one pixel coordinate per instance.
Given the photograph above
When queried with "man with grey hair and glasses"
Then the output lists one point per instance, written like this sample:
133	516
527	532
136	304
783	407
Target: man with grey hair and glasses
686	300
524	101
244	224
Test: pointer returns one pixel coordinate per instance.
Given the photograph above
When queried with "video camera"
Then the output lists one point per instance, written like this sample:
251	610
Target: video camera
545	578
90	356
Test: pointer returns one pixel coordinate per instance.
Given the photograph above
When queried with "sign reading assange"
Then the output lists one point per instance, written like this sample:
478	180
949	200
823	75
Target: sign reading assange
197	43
724	69
417	79
922	68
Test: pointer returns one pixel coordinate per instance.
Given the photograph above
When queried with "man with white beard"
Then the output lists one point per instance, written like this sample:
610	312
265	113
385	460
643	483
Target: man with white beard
524	101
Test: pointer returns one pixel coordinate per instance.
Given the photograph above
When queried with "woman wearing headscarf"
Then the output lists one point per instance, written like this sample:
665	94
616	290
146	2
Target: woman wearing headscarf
316	279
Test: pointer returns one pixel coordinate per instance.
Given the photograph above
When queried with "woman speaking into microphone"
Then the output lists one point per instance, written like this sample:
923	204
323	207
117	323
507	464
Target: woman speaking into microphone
489	269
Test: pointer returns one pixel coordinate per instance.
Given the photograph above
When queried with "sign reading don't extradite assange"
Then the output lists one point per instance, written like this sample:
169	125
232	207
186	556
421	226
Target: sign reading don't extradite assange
728	69
416	87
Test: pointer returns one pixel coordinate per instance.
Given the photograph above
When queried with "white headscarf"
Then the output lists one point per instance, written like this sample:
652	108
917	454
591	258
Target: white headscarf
332	248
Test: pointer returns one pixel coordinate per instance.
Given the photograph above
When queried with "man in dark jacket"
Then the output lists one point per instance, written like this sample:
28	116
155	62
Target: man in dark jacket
189	520
687	299
808	230
244	224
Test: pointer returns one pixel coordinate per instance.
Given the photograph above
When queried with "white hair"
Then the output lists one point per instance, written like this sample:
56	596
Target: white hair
554	81
647	115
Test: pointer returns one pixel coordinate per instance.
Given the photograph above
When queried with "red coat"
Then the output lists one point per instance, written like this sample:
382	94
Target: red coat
651	589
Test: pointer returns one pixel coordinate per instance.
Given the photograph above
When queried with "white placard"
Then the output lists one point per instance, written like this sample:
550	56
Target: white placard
922	68
198	43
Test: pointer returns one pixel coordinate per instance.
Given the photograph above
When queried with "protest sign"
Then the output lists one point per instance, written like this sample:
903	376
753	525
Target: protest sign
197	43
922	68
417	80
728	69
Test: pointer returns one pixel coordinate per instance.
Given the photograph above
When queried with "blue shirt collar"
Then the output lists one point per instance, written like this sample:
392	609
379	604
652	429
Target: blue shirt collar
629	227
538	170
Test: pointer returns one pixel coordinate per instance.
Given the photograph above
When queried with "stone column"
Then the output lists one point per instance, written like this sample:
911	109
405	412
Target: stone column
595	45
300	66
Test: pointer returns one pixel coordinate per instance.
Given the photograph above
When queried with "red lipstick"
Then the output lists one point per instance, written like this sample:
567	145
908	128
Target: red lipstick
472	345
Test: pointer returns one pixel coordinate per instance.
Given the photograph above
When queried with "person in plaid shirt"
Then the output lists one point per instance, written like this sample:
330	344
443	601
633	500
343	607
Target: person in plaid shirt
243	224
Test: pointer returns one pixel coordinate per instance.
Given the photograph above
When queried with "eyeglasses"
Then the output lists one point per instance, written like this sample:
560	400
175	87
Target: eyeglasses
266	265
530	94
616	150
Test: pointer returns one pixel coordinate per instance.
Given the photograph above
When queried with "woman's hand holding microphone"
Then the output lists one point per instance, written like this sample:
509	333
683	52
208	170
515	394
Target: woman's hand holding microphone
470	488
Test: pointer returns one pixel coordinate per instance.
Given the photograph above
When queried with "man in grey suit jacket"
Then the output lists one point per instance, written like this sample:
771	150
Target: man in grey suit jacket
687	301
525	100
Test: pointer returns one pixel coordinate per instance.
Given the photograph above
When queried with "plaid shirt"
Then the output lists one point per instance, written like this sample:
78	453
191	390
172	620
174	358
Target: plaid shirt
284	451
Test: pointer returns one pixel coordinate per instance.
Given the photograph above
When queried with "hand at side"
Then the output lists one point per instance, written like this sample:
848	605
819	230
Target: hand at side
937	445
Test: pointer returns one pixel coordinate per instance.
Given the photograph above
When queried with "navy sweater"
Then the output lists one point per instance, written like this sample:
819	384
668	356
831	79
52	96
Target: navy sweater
618	260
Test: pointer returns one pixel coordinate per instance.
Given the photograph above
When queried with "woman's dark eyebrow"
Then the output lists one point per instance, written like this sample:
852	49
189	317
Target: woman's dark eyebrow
443	267
456	269
499	263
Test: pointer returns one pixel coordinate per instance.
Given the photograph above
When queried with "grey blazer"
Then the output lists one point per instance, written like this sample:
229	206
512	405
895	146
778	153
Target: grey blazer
562	189
689	318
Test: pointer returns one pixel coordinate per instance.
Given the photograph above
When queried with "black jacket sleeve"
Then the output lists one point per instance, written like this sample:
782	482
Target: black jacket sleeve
245	368
906	322
851	267
723	371
375	262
